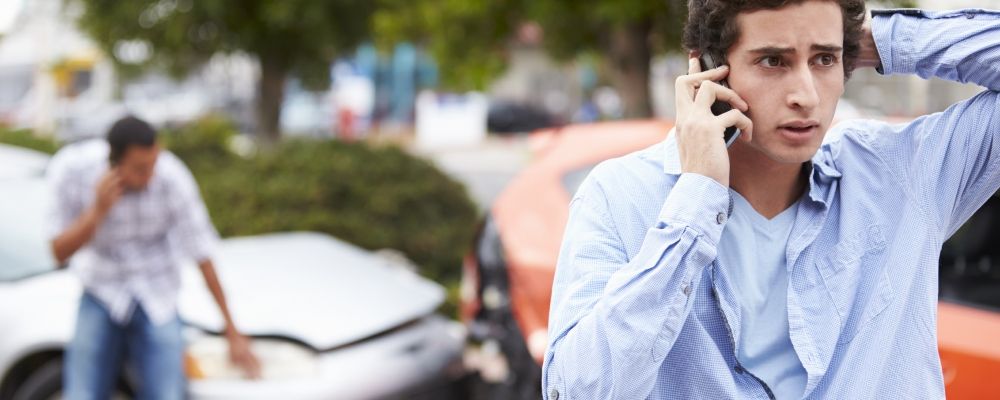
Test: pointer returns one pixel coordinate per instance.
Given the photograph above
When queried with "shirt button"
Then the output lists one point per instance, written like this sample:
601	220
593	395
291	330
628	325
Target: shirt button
740	370
554	394
721	218
687	289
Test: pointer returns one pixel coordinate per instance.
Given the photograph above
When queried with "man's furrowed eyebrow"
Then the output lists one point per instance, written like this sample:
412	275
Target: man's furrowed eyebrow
785	50
830	48
772	50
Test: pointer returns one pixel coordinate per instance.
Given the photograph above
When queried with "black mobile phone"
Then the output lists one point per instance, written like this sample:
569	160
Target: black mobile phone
720	107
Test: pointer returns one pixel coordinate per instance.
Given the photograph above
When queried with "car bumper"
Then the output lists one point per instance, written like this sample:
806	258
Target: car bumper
424	359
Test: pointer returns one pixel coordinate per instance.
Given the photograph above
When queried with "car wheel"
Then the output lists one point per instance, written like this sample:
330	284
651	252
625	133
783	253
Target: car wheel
46	382
43	384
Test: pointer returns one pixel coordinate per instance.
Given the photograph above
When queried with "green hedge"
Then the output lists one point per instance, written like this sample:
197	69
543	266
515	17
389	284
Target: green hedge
24	138
373	196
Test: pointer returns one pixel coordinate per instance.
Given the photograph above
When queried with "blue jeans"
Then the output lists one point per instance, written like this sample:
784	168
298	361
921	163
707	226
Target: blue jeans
95	356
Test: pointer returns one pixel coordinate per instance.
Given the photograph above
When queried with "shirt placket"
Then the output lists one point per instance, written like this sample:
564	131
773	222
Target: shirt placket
730	320
806	344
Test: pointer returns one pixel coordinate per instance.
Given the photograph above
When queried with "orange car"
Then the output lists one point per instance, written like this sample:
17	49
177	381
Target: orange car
507	279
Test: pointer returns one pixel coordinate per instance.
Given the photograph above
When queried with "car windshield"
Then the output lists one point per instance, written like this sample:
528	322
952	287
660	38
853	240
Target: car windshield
24	248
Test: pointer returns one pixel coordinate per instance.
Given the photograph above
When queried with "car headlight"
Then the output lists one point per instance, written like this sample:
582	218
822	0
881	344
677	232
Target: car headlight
207	357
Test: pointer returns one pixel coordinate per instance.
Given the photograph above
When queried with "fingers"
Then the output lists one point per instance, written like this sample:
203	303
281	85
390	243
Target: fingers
116	193
109	190
694	66
115	182
114	188
111	179
251	366
739	120
711	92
686	86
241	355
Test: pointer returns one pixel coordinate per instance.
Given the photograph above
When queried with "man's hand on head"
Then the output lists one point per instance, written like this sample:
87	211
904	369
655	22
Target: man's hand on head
868	56
700	144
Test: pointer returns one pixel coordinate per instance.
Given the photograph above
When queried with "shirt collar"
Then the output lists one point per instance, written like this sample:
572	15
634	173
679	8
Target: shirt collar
822	173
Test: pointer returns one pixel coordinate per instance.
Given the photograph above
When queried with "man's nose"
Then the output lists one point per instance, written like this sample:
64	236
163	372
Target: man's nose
803	93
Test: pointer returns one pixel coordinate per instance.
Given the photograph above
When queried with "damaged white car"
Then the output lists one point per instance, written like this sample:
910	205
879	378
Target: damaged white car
328	320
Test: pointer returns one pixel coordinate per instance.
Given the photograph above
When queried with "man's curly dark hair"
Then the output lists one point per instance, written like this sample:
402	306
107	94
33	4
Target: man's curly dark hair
711	25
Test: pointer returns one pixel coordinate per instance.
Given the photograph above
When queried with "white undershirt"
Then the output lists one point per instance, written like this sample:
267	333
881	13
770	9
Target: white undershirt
752	250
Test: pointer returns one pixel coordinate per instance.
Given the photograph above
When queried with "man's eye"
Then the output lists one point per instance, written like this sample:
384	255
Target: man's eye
770	61
826	59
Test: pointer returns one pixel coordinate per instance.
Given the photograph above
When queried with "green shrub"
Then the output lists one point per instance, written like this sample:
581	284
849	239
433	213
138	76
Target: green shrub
25	138
203	144
373	196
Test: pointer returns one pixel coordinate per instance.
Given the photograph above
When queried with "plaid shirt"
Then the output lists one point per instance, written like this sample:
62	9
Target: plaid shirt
134	256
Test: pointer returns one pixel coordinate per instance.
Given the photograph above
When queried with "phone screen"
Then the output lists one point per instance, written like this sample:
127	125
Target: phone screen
720	107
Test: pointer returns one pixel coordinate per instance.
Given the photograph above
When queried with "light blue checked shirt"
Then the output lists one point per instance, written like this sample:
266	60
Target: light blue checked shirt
642	307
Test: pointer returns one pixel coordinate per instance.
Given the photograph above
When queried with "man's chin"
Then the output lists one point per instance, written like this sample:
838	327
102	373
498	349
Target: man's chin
792	155
783	153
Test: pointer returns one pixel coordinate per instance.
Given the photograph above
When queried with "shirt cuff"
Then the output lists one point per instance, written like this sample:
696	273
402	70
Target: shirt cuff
895	57
699	202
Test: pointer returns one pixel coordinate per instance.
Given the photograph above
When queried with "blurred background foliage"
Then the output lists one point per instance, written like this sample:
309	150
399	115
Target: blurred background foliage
300	37
471	37
26	138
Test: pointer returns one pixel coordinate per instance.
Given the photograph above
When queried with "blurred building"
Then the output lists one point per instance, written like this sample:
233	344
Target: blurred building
909	95
47	66
55	80
534	81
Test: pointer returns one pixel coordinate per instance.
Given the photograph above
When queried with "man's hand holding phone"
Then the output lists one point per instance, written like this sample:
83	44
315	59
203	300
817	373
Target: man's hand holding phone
109	190
700	142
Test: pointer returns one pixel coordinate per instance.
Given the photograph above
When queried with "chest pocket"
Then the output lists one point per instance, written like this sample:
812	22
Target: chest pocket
856	277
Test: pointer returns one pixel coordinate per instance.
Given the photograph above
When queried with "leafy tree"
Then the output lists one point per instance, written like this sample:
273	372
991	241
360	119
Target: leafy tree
299	37
469	36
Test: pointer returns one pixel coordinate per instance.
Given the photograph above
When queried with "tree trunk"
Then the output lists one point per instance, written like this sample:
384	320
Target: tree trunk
270	95
630	56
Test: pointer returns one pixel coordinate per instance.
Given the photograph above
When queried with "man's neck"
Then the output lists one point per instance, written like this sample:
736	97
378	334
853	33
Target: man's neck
769	186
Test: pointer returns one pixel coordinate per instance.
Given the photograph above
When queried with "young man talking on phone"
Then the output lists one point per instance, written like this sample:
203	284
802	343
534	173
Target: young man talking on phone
127	213
780	267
